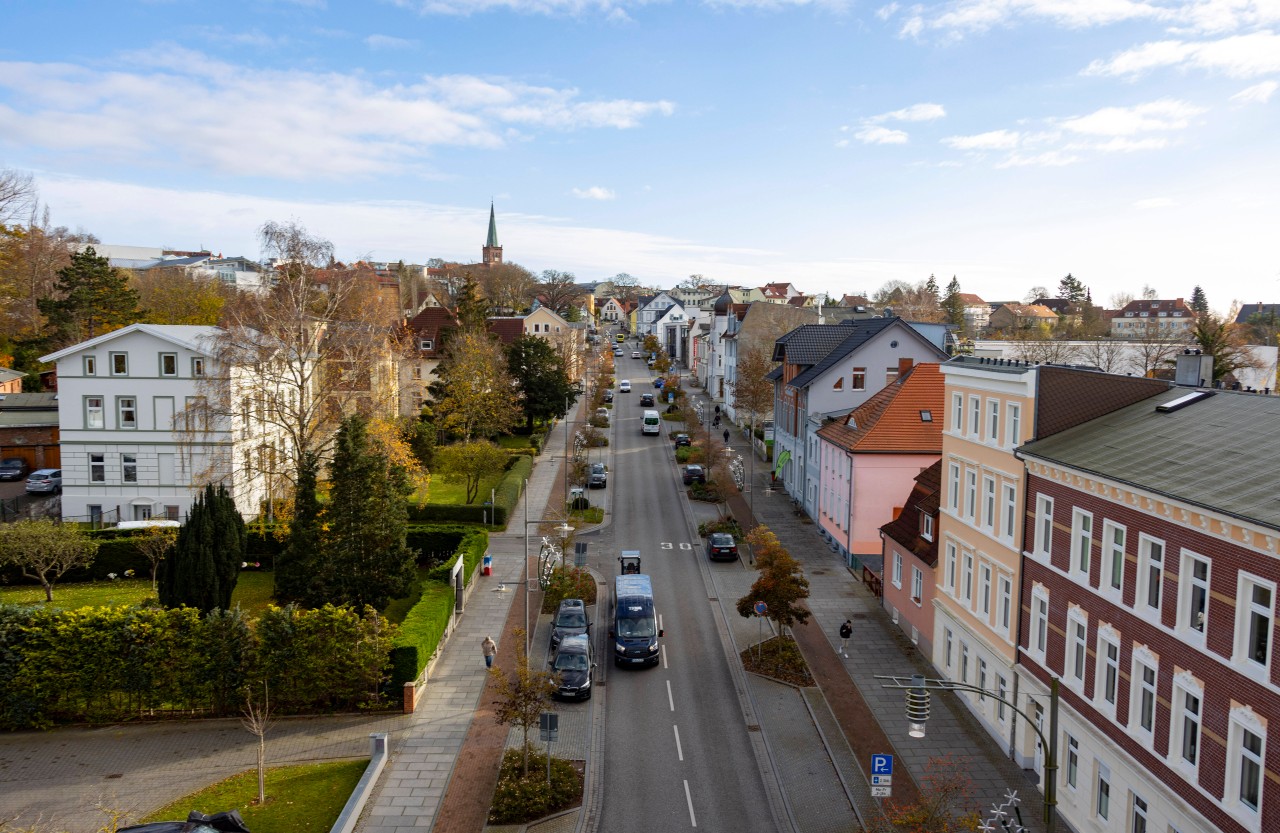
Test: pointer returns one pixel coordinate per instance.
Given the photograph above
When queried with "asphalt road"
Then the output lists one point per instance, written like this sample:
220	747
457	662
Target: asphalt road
677	751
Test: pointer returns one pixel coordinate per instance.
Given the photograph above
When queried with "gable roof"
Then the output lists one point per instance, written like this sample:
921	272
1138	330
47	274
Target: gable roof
1028	310
432	321
970	300
506	329
904	530
1247	311
189	336
1219	452
808	343
864	330
891	421
1158	306
8	375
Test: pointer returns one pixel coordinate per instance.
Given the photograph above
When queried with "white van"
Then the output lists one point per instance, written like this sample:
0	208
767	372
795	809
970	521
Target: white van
652	423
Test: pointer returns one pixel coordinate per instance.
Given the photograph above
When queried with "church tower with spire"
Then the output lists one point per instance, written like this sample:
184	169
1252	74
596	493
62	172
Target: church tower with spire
492	252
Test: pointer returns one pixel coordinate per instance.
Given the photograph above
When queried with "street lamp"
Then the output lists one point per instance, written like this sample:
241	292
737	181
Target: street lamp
918	687
564	529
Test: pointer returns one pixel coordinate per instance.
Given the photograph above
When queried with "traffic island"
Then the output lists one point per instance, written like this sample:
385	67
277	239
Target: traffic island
778	659
521	798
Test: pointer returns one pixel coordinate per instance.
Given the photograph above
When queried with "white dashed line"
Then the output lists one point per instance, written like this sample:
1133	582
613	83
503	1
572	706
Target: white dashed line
693	821
671	701
679	750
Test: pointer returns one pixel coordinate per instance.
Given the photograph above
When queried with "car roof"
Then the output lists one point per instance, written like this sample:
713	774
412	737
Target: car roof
571	603
46	471
577	642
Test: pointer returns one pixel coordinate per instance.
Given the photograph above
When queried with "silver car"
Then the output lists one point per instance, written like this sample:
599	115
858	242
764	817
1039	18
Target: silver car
47	481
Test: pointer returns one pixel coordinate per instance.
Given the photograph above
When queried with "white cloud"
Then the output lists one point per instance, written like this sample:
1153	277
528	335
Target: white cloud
612	9
1048	159
1165	114
290	124
991	140
388	42
595	192
916	112
1257	94
873	135
842	143
886	12
962	17
1240	56
1154	202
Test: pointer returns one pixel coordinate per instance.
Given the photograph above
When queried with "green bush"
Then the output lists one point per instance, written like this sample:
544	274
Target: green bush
729	525
684	453
573	583
436	543
705	491
517	800
471	549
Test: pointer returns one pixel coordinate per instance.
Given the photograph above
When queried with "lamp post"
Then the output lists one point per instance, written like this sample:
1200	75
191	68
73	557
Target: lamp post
564	530
918	687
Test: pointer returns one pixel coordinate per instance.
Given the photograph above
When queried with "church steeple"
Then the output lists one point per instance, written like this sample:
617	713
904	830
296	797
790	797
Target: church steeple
492	252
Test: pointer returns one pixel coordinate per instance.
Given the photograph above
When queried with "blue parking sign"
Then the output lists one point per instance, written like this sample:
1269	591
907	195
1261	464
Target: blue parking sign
881	764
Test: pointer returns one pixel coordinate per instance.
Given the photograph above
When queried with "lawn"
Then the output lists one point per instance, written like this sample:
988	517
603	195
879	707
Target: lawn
455	491
299	798
253	593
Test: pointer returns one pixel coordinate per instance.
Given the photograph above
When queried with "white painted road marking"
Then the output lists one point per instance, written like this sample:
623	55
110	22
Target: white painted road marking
693	821
679	750
670	700
664	656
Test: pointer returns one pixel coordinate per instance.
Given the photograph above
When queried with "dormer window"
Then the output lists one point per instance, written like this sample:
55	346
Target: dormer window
1155	305
426	344
926	526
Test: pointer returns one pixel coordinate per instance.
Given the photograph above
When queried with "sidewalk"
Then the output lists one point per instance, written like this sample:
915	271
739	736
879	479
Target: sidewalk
873	718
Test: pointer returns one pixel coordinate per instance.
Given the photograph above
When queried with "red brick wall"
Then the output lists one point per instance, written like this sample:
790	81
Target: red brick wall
1221	683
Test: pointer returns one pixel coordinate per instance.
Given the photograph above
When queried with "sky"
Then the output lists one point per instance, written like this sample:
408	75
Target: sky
836	145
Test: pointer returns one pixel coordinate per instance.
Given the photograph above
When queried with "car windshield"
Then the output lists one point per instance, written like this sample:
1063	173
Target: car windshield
571	619
721	540
39	477
635	628
571	662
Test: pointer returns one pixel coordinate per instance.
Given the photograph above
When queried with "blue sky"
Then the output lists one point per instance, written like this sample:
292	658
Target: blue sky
834	144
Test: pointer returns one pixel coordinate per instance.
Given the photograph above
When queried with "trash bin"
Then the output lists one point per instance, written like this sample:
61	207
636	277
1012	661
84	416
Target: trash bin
486	566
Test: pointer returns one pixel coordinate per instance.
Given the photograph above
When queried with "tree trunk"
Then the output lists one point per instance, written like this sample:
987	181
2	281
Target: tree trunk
48	591
262	770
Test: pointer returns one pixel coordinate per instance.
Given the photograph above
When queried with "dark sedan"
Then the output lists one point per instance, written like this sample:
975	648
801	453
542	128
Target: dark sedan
683	439
694	474
13	468
720	545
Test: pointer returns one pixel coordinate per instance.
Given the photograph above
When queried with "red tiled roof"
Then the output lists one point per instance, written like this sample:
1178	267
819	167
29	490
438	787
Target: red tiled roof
969	299
506	329
431	321
905	529
891	420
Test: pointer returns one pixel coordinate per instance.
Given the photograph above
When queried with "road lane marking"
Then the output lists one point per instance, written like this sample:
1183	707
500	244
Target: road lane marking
679	749
670	700
693	821
664	656
660	622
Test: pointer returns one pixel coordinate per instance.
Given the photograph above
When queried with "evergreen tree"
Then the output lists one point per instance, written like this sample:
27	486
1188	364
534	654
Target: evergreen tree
202	571
91	298
1199	303
473	308
297	565
931	288
953	305
538	369
365	559
1070	288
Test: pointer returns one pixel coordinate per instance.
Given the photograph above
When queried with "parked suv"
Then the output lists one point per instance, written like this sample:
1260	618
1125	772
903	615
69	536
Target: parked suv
721	545
47	481
694	474
574	667
571	619
646	400
13	468
599	476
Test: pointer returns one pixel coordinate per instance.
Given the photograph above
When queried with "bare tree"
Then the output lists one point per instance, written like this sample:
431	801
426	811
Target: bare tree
752	392
559	290
509	287
1036	344
625	287
155	543
17	194
30	258
913	302
258	720
522	694
1149	292
1120	300
1107	354
1034	294
1154	350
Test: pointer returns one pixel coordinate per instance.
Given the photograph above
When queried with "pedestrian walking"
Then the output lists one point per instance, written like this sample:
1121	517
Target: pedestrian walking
846	631
715	423
726	436
489	647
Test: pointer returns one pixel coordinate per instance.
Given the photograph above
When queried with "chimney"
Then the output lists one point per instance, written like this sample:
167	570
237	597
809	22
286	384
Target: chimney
904	366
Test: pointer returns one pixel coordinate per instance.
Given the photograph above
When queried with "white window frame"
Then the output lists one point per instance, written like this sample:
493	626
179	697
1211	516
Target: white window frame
989	504
917	585
1071	761
971	496
1004	603
1113	552
172	370
1244	720
95	414
1009	511
949	576
123	363
966	578
984	590
1038	639
1147	560
964	661
121	423
1002	691
1192	589
926	526
1044	526
1140	685
1077	660
1081	544
91	365
948	639
954	484
1102	792
197	367
1107	671
1186	688
1138	814
897	569
957	414
1246	610
97	467
1013	423
128	468
975	417
993	421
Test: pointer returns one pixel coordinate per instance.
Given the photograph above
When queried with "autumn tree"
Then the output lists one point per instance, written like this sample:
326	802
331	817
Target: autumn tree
781	584
470	462
30	257
91	297
559	290
752	392
539	372
509	287
44	551
1263	327
1220	337
522	694
178	296
475	394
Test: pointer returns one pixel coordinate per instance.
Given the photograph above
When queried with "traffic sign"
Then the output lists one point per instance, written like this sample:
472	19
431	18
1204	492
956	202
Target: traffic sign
881	792
882	765
761	609
882	780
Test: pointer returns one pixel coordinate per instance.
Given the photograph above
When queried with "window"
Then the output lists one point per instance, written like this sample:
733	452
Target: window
1103	806
1255	618
984	591
1248	759
1193	605
1078	650
946	647
1002	691
953	486
897	570
926	526
1013	423
1108	685
97	468
975	416
917	584
926	416
839	383
957	413
1009	511
129	468
971	495
964	663
993	420
1150	571
1004	603
1139	813
1081	543
91	365
859	381
982	678
93	413
966	579
197	366
1142	714
951	568
1113	557
168	364
1073	761
119	364
127	412
1039	620
1184	747
989	504
171	513
425	344
1044	524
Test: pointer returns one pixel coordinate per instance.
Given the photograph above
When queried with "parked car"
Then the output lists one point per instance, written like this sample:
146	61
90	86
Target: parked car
571	619
693	473
683	439
720	545
624	386
602	413
575	668
659	382
599	476
646	400
608	395
13	468
197	822
635	354
47	481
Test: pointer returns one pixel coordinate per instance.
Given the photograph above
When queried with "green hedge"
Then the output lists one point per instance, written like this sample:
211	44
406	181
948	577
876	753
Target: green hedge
470	549
507	496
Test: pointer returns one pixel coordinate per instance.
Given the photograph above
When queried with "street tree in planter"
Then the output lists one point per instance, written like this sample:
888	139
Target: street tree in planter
205	563
522	694
781	584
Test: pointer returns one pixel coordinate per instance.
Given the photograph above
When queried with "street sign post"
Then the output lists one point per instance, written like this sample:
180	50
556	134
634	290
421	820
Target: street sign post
761	609
881	792
881	776
549	727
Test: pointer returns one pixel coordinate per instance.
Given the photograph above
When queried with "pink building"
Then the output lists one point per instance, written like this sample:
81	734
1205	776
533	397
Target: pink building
869	460
910	556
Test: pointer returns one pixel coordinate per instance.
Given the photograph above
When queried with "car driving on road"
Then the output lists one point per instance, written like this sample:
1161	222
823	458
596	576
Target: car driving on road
624	386
646	400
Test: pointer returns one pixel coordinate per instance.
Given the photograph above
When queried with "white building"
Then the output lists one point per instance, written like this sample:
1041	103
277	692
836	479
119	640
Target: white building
136	442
